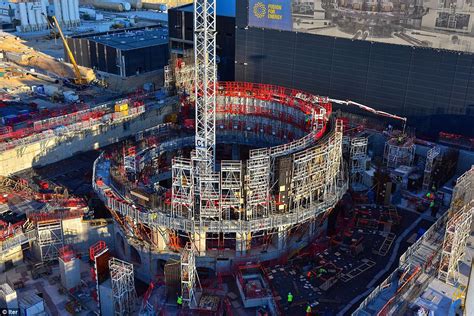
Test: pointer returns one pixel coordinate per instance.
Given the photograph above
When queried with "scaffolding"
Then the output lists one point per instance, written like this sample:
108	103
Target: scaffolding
189	276
457	232
399	151
258	186
231	187
123	287
431	157
182	188
50	238
458	228
359	158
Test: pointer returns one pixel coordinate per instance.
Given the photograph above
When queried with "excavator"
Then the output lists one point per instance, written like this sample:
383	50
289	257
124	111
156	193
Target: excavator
78	82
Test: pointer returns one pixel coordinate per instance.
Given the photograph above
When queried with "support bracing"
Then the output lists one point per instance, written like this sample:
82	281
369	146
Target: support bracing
50	238
189	277
123	287
205	83
431	156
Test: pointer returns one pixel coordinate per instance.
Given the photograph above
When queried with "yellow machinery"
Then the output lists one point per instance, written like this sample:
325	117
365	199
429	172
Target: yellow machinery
79	80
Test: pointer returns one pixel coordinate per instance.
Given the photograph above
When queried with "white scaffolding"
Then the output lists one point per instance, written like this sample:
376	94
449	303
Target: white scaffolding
231	188
189	276
431	156
458	228
123	287
50	238
457	232
168	74
399	151
182	188
359	158
209	196
184	78
258	186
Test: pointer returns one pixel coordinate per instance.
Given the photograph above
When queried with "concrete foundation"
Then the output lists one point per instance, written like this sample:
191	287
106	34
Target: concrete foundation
57	148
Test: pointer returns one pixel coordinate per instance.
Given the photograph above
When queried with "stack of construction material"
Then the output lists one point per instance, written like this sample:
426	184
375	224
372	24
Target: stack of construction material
113	5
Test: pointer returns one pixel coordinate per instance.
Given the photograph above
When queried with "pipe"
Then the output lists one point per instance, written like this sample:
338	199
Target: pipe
154	6
136	4
113	6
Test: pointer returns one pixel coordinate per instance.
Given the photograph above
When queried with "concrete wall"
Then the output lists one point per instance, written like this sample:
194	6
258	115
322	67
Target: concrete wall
61	147
15	255
83	234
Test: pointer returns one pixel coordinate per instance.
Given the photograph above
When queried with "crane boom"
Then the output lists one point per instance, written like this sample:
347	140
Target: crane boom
371	110
78	80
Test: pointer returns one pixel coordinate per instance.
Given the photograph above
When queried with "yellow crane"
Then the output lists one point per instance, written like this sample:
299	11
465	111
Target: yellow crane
78	80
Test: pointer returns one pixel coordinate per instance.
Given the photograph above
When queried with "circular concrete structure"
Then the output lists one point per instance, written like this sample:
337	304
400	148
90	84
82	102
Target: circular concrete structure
278	172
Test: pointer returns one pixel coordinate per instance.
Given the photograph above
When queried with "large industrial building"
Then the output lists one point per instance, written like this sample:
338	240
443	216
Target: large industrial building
181	26
423	75
123	53
423	70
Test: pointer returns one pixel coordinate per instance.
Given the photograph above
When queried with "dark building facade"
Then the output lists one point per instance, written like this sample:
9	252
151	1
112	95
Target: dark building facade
124	53
181	24
433	88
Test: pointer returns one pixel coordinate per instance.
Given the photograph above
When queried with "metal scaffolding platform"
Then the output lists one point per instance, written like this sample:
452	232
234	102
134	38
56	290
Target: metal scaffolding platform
189	276
50	238
399	151
458	228
431	157
123	287
358	158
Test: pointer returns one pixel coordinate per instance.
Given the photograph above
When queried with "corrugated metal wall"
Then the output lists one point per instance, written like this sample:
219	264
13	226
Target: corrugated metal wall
104	58
225	39
435	88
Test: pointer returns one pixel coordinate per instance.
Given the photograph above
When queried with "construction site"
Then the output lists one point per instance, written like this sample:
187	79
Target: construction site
135	180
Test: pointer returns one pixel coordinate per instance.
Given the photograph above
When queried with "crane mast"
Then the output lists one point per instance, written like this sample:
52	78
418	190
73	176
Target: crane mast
205	84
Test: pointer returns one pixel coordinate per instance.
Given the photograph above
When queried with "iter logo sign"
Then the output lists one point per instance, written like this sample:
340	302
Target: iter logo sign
274	14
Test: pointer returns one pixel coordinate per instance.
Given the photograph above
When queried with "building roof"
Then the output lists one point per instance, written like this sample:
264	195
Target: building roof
132	39
223	8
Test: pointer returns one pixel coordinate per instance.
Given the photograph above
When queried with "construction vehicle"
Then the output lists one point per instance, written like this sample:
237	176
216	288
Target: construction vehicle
78	82
40	269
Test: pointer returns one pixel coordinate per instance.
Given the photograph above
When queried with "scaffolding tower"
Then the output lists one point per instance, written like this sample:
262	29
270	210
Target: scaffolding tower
123	287
50	238
457	232
458	228
189	276
431	157
359	158
399	151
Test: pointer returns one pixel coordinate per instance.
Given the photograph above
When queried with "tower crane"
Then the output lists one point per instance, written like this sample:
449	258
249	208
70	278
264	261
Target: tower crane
205	83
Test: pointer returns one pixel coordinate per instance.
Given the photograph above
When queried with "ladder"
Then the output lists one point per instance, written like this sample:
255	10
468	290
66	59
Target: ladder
387	243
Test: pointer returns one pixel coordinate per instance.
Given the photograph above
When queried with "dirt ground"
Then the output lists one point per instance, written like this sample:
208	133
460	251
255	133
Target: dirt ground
27	56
